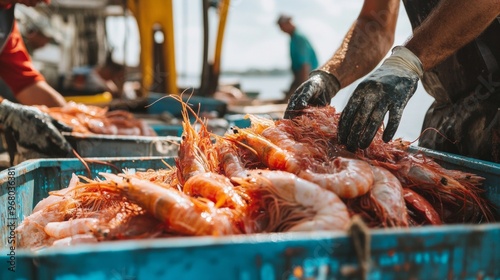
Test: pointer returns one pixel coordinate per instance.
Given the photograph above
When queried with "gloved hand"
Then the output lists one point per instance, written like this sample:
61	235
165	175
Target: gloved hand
387	89
34	129
318	91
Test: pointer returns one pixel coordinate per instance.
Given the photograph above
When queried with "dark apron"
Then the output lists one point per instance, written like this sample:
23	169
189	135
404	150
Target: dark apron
464	118
6	24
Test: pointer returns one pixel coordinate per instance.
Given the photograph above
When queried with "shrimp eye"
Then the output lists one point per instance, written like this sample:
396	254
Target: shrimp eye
234	129
444	181
183	137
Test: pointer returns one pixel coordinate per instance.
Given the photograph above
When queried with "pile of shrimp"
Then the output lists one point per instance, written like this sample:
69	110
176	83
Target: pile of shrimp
89	119
275	176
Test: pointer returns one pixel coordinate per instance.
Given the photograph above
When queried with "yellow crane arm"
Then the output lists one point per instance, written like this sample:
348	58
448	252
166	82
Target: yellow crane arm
149	15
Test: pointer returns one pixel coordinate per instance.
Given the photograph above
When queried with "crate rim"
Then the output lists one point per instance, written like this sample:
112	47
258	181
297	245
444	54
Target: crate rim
188	242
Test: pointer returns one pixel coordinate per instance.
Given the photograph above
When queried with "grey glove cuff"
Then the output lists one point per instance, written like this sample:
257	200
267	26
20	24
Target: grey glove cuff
403	57
331	82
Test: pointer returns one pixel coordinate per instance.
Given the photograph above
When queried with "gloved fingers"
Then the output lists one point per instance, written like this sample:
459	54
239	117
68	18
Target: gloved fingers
298	101
57	142
361	121
372	126
61	126
293	109
347	117
395	114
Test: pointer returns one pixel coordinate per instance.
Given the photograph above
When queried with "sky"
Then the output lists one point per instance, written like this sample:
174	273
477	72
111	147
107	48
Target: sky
252	38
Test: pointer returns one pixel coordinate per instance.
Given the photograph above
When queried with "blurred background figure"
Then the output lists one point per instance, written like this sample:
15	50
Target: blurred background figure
109	76
302	54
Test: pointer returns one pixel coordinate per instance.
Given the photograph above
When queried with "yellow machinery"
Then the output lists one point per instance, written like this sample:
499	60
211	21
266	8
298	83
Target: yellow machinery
210	71
152	15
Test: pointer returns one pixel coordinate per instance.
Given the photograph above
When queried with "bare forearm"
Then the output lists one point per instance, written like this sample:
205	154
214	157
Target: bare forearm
449	27
40	93
366	43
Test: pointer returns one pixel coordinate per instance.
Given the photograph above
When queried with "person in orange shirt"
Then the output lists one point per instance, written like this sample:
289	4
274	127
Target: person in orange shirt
30	127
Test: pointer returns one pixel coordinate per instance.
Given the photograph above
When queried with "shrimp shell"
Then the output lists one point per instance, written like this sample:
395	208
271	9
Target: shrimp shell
348	178
69	228
295	204
387	193
216	188
183	214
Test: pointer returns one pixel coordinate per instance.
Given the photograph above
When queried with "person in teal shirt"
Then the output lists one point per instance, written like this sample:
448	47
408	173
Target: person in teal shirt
302	54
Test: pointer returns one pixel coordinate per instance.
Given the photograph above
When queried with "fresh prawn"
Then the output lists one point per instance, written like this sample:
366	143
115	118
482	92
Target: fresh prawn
161	176
231	163
387	195
293	204
196	152
455	201
64	229
420	210
348	177
259	123
31	233
216	188
182	214
92	119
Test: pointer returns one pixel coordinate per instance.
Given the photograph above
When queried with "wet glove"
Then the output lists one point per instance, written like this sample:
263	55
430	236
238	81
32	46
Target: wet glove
33	129
317	91
387	89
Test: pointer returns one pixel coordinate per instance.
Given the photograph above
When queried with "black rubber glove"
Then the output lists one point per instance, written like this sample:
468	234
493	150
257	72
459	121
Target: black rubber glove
33	129
387	89
317	91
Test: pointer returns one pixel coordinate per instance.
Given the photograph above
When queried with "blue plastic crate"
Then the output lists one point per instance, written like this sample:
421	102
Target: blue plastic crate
167	130
123	146
240	121
432	252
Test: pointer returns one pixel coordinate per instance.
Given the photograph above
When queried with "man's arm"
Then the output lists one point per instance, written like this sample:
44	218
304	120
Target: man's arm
453	24
40	93
366	43
18	72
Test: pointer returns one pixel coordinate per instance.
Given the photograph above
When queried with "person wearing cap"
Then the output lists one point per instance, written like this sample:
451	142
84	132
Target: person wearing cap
454	51
29	126
302	54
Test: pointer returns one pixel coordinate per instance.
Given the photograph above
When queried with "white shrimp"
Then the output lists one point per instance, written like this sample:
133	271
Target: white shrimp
64	229
294	204
387	193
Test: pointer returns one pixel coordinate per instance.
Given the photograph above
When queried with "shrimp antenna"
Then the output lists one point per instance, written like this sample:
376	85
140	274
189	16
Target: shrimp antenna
435	130
83	162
